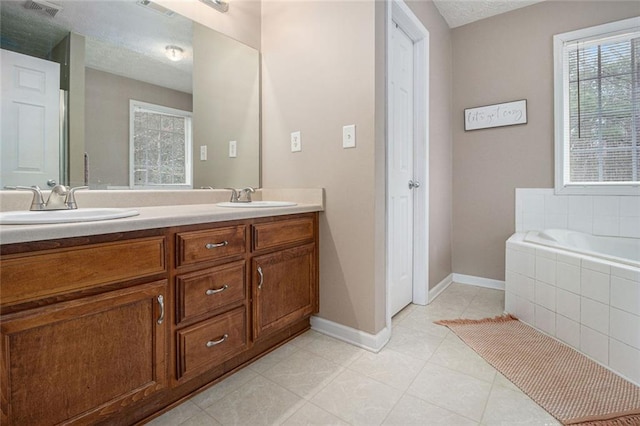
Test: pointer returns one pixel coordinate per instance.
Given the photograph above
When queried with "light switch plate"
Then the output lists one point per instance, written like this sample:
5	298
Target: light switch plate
296	143
349	136
203	153
233	149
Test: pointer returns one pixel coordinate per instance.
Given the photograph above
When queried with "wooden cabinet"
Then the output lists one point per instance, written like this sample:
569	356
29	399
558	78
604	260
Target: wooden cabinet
48	273
201	292
83	360
210	244
211	342
284	288
285	278
115	328
214	296
276	234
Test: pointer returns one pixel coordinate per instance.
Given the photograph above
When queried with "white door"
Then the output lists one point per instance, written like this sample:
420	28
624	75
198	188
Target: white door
400	171
30	114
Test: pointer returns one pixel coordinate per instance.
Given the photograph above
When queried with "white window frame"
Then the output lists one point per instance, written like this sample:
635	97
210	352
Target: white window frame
561	111
133	104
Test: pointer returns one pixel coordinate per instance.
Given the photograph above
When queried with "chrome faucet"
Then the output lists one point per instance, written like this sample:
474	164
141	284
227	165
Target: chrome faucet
60	198
247	194
241	195
234	195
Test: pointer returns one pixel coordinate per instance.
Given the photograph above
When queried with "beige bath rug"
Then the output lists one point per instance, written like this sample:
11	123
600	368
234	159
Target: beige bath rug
571	387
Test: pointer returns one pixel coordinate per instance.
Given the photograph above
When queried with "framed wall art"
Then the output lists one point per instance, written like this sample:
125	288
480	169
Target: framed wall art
496	115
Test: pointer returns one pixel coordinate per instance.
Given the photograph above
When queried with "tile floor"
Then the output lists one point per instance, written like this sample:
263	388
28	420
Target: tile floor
424	376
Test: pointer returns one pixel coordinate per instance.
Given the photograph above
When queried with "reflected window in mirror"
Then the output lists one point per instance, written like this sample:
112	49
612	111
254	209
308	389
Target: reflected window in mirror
160	146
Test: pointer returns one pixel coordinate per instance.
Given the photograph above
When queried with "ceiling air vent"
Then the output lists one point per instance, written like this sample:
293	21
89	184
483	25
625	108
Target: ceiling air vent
148	4
45	6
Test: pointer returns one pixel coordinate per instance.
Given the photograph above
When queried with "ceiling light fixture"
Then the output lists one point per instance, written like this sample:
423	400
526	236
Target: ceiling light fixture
219	5
174	53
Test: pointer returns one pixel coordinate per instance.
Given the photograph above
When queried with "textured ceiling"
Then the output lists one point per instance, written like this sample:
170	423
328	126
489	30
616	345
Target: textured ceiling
122	37
127	39
462	12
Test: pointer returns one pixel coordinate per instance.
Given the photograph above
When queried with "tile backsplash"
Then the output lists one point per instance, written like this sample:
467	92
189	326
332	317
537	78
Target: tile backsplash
538	209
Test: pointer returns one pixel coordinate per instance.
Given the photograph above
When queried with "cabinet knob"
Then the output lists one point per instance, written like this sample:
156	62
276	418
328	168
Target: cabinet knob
212	343
213	291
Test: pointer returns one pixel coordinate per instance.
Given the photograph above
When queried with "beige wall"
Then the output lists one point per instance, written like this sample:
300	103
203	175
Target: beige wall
107	122
241	22
226	107
505	58
318	71
323	66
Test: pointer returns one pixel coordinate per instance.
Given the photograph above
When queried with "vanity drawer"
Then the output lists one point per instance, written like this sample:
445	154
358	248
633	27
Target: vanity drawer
211	342
204	291
211	244
272	234
52	272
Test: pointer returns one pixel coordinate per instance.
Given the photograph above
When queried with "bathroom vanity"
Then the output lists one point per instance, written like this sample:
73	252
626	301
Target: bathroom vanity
116	327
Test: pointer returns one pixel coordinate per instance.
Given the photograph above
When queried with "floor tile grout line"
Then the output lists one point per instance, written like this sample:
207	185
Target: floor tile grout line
486	403
472	305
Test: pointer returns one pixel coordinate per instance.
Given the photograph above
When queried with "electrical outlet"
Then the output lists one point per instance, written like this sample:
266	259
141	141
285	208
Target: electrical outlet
203	153
349	136
296	143
233	149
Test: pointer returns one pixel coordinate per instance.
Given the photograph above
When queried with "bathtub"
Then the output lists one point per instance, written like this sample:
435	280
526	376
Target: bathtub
581	289
614	249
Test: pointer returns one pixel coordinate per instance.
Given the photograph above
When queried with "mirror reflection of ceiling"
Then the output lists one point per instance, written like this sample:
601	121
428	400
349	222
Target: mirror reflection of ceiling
123	37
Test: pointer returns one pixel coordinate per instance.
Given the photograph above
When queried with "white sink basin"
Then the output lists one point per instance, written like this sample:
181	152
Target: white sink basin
64	216
254	204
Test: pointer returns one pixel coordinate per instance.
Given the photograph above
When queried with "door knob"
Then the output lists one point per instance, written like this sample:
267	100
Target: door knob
413	184
51	183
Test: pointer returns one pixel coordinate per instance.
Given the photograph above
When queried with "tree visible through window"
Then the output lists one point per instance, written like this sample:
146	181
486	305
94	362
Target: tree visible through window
600	110
160	146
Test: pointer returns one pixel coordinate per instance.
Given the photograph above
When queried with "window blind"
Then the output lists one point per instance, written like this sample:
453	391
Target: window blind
603	82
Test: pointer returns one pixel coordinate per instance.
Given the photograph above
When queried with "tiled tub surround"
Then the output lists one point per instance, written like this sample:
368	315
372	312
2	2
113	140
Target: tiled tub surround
591	304
616	216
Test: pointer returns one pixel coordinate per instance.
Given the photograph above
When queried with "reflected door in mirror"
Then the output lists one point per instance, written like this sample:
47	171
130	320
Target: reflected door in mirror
30	120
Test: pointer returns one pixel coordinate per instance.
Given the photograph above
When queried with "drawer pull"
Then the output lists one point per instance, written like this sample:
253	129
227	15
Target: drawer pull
261	278
210	246
212	291
161	303
212	343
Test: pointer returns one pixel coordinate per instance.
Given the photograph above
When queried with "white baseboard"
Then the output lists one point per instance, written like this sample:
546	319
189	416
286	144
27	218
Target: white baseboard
440	287
478	281
364	340
375	342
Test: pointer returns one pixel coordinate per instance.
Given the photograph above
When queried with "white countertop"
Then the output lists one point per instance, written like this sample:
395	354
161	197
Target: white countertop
162	216
149	218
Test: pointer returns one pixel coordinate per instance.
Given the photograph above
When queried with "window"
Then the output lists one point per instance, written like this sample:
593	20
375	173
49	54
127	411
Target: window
159	146
597	109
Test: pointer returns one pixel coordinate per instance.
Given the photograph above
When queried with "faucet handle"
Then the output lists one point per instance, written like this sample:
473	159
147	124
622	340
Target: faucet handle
248	191
235	194
70	201
37	203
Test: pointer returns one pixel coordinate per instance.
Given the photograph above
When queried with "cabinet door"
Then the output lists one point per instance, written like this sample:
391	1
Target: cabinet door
284	288
82	360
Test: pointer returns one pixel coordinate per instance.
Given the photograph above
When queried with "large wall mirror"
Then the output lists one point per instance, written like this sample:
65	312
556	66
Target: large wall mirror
124	94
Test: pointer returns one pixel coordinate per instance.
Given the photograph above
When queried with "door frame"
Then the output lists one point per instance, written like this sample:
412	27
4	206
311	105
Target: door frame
398	11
